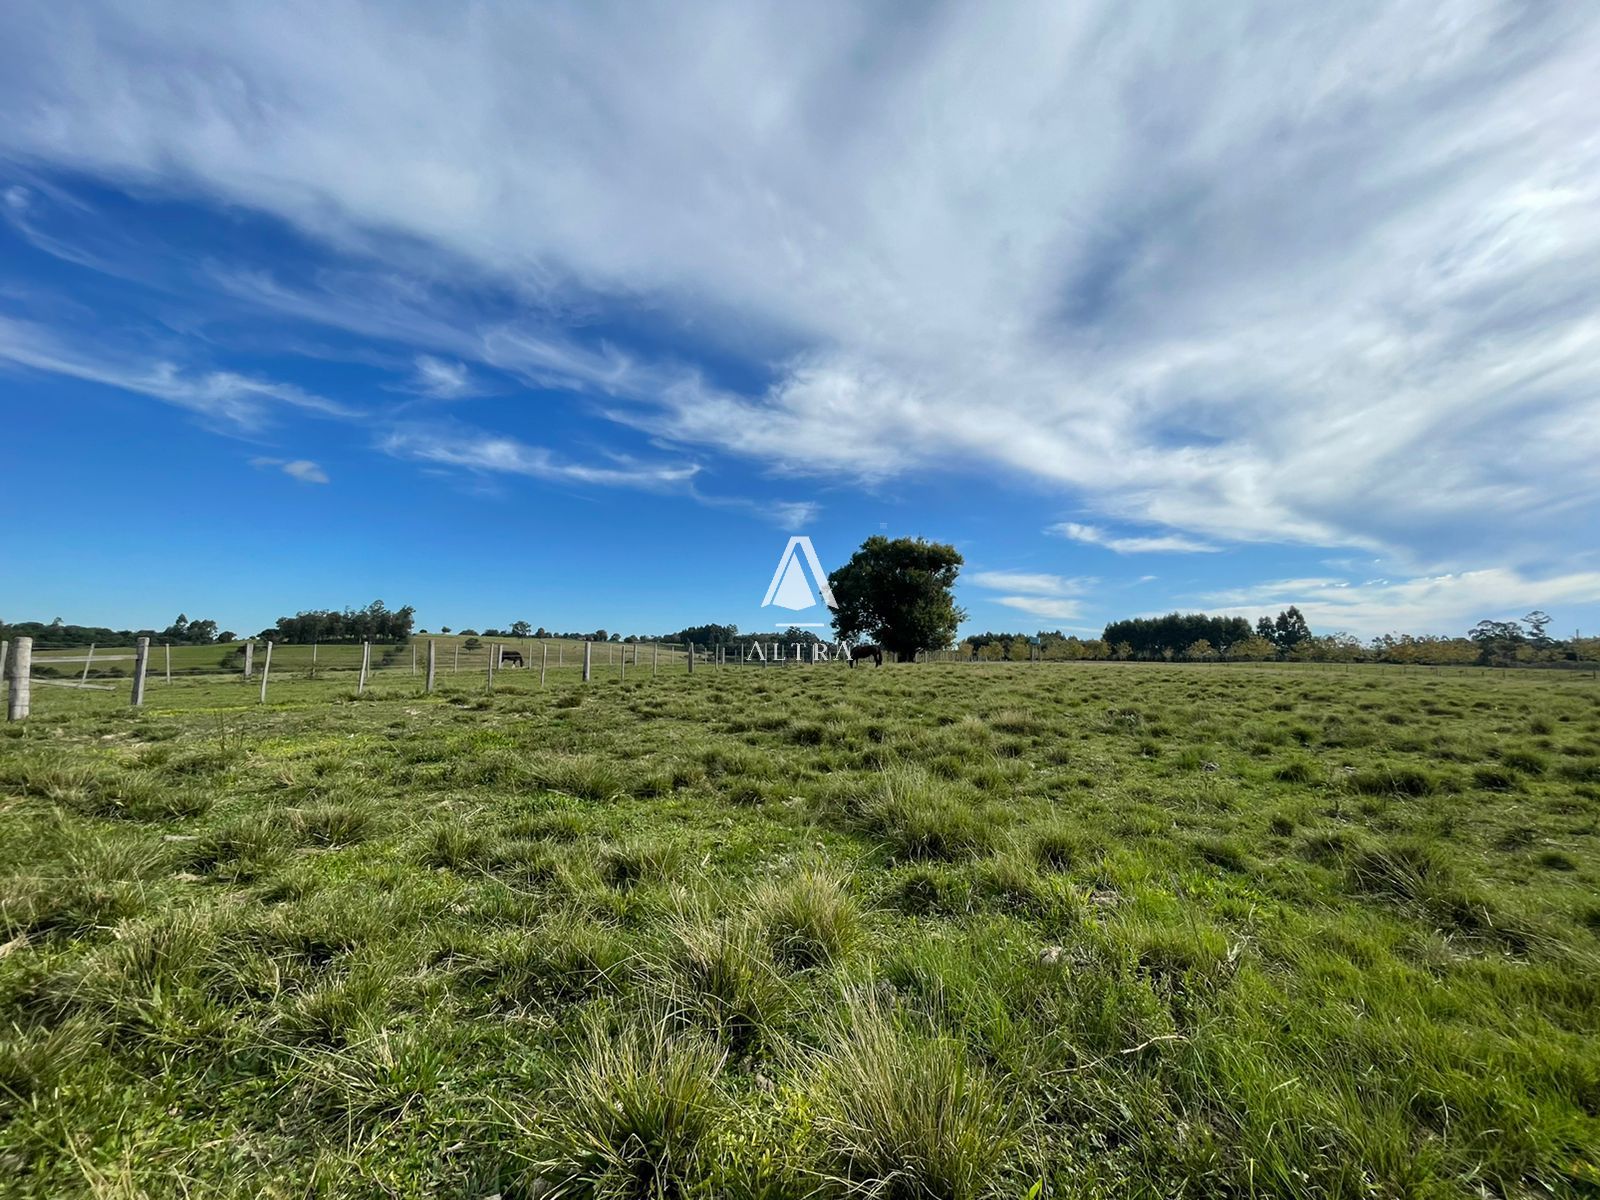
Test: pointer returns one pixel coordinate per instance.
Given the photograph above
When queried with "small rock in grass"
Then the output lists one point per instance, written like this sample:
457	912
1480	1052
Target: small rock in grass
1050	956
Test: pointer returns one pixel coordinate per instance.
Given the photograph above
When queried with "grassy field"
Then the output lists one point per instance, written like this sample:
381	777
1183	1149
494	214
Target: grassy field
1088	930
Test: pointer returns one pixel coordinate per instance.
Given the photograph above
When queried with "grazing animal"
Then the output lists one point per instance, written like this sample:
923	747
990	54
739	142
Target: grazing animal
875	653
511	658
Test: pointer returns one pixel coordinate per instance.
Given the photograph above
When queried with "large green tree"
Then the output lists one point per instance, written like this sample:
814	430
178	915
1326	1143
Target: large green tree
898	593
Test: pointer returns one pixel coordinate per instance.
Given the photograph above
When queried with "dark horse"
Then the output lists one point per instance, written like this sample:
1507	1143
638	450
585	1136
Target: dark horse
511	658
875	653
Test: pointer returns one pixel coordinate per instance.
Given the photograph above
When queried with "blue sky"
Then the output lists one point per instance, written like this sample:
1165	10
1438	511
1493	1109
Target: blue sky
573	313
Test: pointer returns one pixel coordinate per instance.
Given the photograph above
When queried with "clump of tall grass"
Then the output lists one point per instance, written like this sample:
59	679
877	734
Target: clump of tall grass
84	880
720	968
333	822
635	860
809	919
584	776
918	816
633	1114
567	958
901	1111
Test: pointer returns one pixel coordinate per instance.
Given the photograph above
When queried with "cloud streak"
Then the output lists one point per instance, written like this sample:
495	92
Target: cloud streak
1094	535
474	450
301	469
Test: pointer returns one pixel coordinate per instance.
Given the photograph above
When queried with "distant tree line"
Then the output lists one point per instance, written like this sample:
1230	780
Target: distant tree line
374	623
1198	637
58	635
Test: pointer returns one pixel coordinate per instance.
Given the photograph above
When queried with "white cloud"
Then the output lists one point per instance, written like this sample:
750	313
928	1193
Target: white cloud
1047	597
239	402
1093	535
439	379
1250	273
302	469
1028	581
1449	604
475	450
1043	607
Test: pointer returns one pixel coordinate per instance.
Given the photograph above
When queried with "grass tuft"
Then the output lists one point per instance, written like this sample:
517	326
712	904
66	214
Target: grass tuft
632	1115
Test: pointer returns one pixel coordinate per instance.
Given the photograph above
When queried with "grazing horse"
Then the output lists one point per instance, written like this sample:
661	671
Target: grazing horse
875	653
511	658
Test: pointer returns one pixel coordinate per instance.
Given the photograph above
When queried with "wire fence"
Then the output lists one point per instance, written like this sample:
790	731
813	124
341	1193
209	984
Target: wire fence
31	668
28	665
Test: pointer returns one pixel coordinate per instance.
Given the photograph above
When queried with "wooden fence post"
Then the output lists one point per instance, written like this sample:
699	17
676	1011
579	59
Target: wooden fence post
313	660
414	657
622	666
249	659
655	658
492	647
366	655
21	666
88	661
588	648
168	648
689	653
611	653
266	670
544	660
5	651
141	659
432	665
456	665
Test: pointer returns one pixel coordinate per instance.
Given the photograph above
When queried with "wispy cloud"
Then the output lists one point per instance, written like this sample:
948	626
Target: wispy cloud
227	398
475	450
302	469
1043	607
1028	581
1094	535
439	379
1045	596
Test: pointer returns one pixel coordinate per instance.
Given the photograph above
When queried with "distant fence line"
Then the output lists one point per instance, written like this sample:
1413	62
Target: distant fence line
20	668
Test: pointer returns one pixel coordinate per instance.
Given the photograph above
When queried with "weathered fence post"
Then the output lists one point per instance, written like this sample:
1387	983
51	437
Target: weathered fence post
168	648
414	657
88	661
366	655
622	667
432	665
493	646
611	653
21	666
141	658
313	660
588	648
5	651
544	660
689	653
655	658
249	659
266	670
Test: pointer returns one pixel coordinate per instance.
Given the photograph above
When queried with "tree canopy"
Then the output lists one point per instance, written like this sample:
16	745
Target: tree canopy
899	594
